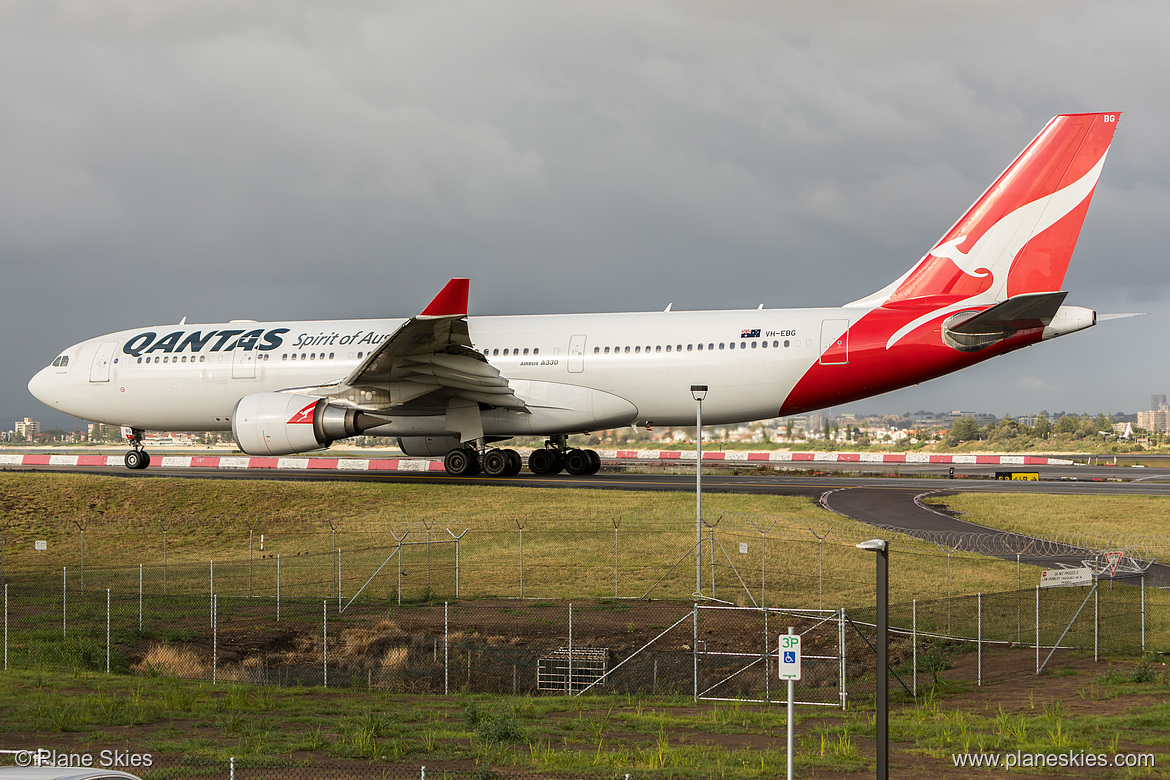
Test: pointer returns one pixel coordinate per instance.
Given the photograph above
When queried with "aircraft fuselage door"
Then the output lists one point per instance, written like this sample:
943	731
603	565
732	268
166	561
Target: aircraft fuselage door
99	370
576	354
834	342
243	364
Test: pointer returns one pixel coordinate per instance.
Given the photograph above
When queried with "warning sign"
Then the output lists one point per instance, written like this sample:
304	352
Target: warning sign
1065	578
1113	560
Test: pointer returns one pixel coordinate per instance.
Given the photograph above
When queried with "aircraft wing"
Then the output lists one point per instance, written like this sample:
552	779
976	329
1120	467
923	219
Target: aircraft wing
429	361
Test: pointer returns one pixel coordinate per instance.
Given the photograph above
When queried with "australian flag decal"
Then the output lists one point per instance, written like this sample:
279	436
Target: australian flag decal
750	333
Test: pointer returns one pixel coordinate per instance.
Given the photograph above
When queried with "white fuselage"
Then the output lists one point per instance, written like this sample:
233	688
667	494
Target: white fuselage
150	378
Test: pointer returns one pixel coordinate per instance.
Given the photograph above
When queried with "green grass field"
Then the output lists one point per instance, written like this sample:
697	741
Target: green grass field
571	547
1140	520
569	551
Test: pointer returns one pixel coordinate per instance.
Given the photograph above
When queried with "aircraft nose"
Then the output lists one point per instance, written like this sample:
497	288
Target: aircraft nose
39	386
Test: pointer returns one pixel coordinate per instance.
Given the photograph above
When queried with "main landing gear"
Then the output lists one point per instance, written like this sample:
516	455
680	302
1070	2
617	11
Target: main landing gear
137	458
466	462
554	458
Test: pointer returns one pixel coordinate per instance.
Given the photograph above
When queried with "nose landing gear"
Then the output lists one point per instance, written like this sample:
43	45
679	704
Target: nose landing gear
137	458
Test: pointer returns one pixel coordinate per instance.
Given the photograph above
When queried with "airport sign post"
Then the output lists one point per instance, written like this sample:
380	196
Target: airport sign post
699	392
882	548
788	657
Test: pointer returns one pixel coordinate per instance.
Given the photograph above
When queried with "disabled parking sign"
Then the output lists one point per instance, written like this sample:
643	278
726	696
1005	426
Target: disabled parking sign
789	655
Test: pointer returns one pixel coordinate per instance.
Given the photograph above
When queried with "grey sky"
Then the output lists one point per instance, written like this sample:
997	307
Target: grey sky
275	160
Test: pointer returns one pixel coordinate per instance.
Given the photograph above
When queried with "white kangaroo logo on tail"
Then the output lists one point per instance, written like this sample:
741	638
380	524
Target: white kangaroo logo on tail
996	250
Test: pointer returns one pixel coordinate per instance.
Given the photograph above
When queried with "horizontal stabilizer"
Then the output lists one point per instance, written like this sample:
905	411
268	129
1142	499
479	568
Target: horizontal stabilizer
1033	310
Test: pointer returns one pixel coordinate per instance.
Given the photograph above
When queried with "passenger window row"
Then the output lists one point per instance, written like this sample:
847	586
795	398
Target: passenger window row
260	357
710	346
512	351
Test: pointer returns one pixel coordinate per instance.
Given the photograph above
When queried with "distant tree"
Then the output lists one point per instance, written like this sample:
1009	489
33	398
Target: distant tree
1067	425
964	429
1043	426
788	425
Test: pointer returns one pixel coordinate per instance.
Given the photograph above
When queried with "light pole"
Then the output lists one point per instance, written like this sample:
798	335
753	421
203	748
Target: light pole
882	548
698	392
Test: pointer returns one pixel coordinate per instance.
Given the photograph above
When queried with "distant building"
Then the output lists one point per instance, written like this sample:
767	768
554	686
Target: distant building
27	428
1158	402
1154	420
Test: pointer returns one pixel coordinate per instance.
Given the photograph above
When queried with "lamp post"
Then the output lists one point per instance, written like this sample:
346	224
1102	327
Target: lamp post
698	392
882	548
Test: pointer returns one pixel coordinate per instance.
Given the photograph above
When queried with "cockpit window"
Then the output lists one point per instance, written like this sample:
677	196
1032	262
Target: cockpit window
62	361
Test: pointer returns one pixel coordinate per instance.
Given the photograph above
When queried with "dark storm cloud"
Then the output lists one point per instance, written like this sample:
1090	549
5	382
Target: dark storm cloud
217	160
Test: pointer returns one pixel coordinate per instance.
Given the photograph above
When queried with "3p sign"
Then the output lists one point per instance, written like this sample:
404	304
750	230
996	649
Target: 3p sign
789	656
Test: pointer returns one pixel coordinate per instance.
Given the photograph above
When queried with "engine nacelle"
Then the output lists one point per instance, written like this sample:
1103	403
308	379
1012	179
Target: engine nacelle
283	423
427	446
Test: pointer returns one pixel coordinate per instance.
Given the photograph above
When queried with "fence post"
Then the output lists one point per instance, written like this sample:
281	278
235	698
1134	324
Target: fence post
948	593
457	538
1037	629
712	538
979	618
763	572
63	582
616	522
278	587
914	637
569	676
767	678
1143	613
249	561
6	626
821	573
695	647
107	630
1096	620
214	640
164	561
427	525
211	588
446	647
841	652
325	643
339	579
140	598
520	527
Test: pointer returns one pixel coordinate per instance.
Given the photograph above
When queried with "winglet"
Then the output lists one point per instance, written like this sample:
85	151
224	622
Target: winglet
450	302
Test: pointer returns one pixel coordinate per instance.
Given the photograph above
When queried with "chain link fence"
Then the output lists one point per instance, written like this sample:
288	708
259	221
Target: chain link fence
512	646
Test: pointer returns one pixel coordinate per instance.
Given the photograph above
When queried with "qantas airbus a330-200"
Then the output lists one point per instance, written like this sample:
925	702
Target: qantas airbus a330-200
448	384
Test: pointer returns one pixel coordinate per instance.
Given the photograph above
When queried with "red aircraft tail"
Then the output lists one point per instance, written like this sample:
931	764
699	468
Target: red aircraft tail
1019	236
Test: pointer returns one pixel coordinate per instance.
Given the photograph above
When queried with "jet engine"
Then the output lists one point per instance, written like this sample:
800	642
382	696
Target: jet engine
284	423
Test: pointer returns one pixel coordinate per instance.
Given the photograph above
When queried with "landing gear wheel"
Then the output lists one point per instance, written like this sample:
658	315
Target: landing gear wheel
595	460
496	463
461	463
578	463
515	463
545	462
137	459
